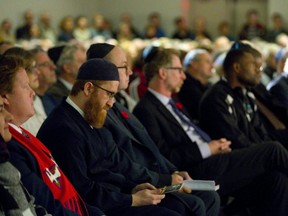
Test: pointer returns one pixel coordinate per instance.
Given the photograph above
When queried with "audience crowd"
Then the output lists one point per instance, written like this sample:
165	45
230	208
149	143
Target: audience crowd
97	121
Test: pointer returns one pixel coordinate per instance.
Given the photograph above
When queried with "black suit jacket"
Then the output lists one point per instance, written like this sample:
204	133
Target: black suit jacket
130	135
264	96
190	95
279	89
167	133
90	159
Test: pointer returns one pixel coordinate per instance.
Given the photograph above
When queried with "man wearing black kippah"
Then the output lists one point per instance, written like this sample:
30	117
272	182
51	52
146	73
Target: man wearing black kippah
131	136
68	60
104	176
104	50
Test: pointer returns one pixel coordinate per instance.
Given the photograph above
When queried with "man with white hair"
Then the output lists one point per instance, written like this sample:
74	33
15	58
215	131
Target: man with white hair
198	65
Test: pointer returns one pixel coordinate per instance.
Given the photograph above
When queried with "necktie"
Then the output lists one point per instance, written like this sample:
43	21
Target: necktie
277	124
188	122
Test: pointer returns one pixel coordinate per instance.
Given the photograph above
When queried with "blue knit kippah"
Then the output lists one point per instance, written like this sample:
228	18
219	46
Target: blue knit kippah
98	69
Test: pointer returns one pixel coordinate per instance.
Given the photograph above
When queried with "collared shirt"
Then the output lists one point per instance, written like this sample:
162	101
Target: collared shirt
18	129
191	133
70	102
66	84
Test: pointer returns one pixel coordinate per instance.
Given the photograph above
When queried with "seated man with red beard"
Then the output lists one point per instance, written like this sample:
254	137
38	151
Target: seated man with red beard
89	156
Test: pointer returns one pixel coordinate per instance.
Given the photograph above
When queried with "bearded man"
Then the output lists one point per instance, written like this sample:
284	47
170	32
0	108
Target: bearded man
89	156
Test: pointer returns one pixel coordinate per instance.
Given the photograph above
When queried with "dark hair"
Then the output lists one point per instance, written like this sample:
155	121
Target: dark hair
8	69
79	86
234	55
160	58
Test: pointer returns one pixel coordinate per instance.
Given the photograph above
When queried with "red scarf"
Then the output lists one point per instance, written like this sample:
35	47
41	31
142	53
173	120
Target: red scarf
52	175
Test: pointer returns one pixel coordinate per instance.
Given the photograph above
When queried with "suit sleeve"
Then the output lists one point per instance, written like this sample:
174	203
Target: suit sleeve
279	91
171	140
133	171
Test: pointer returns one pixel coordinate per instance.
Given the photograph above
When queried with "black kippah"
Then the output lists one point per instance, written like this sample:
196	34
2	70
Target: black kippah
55	52
150	52
99	50
98	69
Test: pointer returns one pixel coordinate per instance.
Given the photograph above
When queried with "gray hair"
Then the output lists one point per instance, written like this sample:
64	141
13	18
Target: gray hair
67	56
192	56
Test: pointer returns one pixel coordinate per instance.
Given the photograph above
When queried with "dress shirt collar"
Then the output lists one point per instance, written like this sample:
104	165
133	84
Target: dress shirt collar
69	101
18	129
163	99
66	84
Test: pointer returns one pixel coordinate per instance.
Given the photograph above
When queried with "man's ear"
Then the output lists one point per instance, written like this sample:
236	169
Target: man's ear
162	73
88	88
236	67
5	99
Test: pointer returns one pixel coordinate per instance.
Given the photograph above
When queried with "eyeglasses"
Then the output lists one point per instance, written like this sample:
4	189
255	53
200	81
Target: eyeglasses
110	94
45	64
180	69
125	67
32	69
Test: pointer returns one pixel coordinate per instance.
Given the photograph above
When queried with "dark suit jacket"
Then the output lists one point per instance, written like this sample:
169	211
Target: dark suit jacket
279	89
190	95
132	137
90	159
264	96
172	140
58	90
27	165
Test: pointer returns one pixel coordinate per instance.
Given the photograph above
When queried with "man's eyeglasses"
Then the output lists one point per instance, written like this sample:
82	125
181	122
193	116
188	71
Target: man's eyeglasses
110	94
32	68
45	64
125	67
180	69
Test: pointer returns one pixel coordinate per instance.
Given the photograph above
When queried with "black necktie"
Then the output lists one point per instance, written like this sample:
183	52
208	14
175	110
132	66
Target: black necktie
188	122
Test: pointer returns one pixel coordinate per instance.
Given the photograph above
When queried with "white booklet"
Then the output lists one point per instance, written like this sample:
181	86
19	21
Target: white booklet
204	185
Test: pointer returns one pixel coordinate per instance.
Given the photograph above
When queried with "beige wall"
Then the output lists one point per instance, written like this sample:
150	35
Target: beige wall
214	10
13	9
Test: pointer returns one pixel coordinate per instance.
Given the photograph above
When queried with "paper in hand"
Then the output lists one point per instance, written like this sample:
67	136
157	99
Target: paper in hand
203	185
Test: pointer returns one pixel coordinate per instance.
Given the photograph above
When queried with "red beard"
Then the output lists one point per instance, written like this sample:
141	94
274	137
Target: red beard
94	114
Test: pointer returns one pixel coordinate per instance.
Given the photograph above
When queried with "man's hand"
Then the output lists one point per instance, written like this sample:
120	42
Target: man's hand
185	175
178	177
220	146
147	197
142	187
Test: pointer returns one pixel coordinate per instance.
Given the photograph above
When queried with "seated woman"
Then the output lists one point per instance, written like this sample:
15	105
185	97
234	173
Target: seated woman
39	172
34	123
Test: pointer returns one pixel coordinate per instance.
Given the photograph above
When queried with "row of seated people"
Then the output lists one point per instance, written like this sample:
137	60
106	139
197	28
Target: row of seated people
273	111
104	176
190	148
80	29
